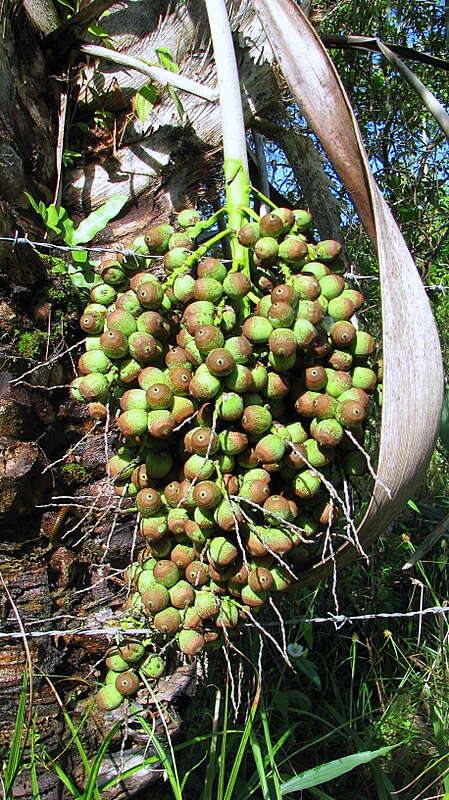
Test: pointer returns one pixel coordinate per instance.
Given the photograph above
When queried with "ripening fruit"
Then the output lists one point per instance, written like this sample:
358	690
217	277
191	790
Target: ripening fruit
221	551
364	378
206	604
166	573
271	225
152	667
93	387
207	494
363	345
114	344
121	321
197	573
167	621
103	294
157	238
350	413
293	250
132	651
127	683
249	234
282	342
328	249
327	432
212	268
190	642
256	420
270	449
108	698
92	322
236	285
93	361
252	598
230	406
133	422
182	594
341	308
156	598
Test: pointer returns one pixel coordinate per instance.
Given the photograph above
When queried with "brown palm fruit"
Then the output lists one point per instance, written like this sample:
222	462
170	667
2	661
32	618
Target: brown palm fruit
204	441
293	251
220	362
211	268
342	333
236	285
176	520
327	432
305	403
133	422
350	413
197	573
195	315
355	463
287	217
278	386
230	406
306	286
190	642
148	502
158	237
182	595
150	295
236	572
255	490
207	494
230	482
306	484
260	579
249	234
248	459
154	323
144	347
341	308
310	310
114	344
326	513
140	478
363	345
340	360
133	398
232	442
190	619
271	224
221	551
197	537
115	661
153	667
179	381
172	493
239	379
159	396
161	424
282	342
240	348
186	494
252	598
108	698
277	508
182	555
154	528
166	573
206	604
255	543
305	333
156	598
177	357
256	420
97	410
364	378
315	378
93	361
328	250
332	286
281	314
294	460
131	651
121	321
199	467
92	319
270	449
324	406
175	258
182	409
356	297
208	289
283	294
337	382
167	621
140	277
228	516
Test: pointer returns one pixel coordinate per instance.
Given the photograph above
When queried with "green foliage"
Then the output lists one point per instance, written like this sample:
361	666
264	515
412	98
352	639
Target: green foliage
31	343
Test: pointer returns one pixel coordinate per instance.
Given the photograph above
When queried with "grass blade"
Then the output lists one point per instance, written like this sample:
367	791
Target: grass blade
260	766
16	750
270	753
331	770
242	746
212	763
91	786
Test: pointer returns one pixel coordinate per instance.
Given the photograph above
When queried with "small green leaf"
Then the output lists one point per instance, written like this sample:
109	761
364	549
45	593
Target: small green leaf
331	770
166	60
32	202
411	504
52	218
83	277
175	97
98	219
144	101
80	256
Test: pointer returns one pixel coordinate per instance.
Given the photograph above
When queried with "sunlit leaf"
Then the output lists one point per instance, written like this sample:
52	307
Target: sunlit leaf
166	60
98	219
144	101
331	770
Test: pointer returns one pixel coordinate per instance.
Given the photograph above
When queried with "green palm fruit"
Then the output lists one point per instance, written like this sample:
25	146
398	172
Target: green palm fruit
183	288
195	534
249	234
341	308
148	502
207	495
317	455
255	490
270	449
159	396
188	217
132	651
166	573
282	343
133	398
307	524
115	661
114	344
128	302
240	348
236	285
93	361
293	250
200	467
192	351
212	268
252	598
190	642
108	698
239	379
121	321
230	406
337	382
232	442
271	225
204	386
176	520
228	515
296	433
197	314
324	406
110	677
280	363
355	463
208	289
228	616
350	413
133	422
307	287
206	604
340	360
161	548
363	345
92	322
168	620
197	574
155	598
208	338
221	551
257	329
103	294
281	314
327	432
317	269
364	378
282	580
356	297
305	333
279	541
310	310
323	303
278	386
332	286
281	508
306	484
263	306
92	387
256	420
113	275
145	581
182	555
152	667
158	237
154	527
159	464
303	219
328	250
182	595
180	239
129	370
92	343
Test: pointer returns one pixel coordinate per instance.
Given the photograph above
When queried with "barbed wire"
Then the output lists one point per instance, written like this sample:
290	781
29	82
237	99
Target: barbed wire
441	287
338	620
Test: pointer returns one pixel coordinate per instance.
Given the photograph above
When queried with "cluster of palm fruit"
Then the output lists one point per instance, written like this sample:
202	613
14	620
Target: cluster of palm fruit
233	398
